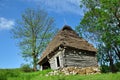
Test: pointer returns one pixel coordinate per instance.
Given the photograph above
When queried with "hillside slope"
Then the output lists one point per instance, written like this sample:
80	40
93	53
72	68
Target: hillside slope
16	74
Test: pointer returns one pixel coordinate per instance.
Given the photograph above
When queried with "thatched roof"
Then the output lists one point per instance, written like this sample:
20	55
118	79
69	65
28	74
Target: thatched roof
67	37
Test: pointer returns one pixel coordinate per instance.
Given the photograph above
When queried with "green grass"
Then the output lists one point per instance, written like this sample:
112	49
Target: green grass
109	76
16	74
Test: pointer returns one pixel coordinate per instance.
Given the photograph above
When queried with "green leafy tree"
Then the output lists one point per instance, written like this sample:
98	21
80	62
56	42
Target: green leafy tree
101	22
34	33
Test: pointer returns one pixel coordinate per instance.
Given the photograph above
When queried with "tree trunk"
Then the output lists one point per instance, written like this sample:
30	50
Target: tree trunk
118	52
34	62
112	67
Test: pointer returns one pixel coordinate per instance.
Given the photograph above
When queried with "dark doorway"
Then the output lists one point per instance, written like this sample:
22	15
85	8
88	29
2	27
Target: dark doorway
46	65
58	61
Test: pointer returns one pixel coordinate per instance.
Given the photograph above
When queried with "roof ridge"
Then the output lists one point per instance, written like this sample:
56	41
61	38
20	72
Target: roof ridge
67	27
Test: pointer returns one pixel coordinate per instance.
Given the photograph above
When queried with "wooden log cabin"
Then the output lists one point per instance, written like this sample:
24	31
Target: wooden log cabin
67	49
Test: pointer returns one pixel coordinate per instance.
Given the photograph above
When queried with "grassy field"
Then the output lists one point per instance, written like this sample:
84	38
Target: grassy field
16	74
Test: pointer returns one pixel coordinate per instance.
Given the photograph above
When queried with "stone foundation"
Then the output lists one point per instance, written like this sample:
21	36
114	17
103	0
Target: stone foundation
75	71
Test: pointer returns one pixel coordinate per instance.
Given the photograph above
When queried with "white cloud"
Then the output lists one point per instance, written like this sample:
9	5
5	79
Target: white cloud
6	24
62	6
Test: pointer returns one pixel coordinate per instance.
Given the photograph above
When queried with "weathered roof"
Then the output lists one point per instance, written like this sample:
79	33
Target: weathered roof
69	38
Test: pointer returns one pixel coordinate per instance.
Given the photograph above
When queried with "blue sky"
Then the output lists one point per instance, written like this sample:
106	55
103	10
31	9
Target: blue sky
63	11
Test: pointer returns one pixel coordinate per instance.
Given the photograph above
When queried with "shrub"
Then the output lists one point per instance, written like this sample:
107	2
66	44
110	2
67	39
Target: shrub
26	68
105	69
118	66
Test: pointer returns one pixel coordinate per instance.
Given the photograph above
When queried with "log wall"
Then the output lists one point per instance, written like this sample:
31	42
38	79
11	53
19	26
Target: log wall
53	60
79	58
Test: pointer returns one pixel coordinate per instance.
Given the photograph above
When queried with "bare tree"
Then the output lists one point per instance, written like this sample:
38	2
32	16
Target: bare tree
34	32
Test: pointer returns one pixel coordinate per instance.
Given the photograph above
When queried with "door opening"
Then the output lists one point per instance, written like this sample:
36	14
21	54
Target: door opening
58	61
